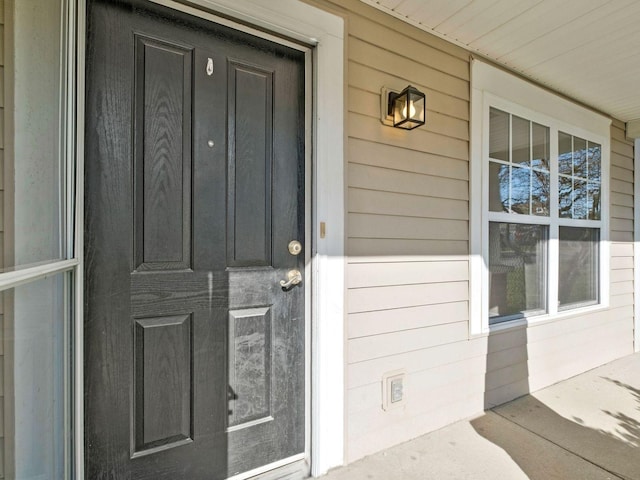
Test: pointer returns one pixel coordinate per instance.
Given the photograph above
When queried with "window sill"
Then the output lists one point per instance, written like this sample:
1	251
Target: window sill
538	320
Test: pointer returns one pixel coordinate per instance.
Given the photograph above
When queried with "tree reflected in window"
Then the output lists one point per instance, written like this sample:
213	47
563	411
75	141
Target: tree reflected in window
520	177
519	180
579	178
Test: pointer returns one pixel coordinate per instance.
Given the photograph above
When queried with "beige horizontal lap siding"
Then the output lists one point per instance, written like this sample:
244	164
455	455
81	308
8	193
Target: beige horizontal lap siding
408	251
408	235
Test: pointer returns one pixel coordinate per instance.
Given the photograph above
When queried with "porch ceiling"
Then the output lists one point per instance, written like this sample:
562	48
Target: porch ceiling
586	49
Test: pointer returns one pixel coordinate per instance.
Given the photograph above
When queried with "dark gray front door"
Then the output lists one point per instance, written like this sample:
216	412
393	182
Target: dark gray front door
194	188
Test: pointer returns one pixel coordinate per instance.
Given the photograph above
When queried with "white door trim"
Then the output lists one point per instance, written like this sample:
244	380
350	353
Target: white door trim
325	31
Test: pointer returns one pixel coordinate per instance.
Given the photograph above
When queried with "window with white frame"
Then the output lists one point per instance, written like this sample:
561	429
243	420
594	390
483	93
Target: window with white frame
539	216
39	249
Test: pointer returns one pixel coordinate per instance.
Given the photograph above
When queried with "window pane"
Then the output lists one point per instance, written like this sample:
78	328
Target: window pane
565	150
594	175
33	325
579	157
519	183
517	266
498	134
565	187
498	187
578	285
36	203
520	143
593	201
540	193
579	199
593	162
579	181
520	190
540	146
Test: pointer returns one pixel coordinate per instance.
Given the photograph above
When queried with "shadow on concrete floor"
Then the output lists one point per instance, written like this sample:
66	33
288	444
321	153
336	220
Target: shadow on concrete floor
546	445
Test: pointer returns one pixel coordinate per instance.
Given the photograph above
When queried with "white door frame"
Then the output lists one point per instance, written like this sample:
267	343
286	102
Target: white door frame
325	31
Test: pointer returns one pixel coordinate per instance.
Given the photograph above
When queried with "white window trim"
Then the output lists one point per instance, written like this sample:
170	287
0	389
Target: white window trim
495	87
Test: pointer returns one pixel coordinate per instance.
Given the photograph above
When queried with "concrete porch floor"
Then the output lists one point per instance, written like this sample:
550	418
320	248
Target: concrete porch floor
587	427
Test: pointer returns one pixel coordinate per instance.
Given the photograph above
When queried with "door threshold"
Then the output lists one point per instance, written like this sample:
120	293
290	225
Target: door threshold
292	468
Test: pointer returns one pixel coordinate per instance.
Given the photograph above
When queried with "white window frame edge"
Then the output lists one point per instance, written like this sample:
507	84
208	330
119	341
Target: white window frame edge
491	85
72	24
78	333
325	31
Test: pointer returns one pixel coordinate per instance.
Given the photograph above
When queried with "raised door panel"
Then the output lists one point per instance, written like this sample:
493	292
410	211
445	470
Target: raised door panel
162	162
249	367
250	133
163	382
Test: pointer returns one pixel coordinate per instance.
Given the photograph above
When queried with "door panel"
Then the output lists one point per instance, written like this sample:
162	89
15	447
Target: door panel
194	187
250	114
162	161
163	356
249	366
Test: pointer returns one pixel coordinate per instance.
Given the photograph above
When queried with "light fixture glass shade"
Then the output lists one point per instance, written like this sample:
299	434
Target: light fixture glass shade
407	108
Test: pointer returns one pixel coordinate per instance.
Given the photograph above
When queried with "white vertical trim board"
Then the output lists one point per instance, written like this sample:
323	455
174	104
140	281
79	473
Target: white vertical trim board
636	245
78	305
491	86
325	32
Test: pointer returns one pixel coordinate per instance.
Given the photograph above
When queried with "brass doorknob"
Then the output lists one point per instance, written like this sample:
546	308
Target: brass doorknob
294	277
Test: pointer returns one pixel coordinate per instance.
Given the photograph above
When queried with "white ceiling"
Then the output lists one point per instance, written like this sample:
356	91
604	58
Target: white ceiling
586	49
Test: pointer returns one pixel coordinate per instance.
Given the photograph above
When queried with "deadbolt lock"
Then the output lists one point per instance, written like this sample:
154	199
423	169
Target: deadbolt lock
295	247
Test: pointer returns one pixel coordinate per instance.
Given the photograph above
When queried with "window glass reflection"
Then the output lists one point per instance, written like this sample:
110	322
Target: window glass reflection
594	152
498	187
565	197
579	180
579	157
579	199
593	201
517	270
36	205
565	154
540	146
498	135
519	178
593	161
520	144
34	316
520	190
578	266
540	193
34	326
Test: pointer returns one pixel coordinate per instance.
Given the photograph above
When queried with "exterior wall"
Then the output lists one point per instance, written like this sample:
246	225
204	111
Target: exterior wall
408	234
408	252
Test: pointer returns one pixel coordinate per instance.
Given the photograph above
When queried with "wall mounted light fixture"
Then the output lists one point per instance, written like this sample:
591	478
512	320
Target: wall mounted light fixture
406	109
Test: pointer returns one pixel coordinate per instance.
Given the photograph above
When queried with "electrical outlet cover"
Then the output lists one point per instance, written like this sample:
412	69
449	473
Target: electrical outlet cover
394	389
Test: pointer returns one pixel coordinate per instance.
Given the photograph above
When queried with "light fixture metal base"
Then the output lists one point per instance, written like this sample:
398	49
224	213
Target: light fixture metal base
385	117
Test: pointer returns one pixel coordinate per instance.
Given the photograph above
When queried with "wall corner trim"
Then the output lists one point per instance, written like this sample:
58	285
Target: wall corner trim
632	129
